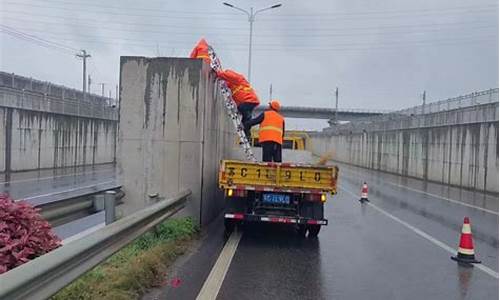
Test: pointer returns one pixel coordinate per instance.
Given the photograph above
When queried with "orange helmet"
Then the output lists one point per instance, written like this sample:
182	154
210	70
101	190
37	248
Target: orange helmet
275	105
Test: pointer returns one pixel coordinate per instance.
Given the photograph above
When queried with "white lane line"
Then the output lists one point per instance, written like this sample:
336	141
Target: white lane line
83	233
63	191
52	177
212	285
425	235
435	196
446	199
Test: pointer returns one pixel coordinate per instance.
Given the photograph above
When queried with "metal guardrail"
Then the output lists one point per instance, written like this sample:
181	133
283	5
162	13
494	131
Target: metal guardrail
484	113
30	100
47	274
472	99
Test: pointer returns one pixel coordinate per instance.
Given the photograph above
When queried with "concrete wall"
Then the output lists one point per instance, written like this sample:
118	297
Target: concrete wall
173	132
31	140
459	147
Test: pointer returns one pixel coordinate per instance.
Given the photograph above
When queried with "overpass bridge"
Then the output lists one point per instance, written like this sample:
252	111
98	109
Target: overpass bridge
304	112
425	174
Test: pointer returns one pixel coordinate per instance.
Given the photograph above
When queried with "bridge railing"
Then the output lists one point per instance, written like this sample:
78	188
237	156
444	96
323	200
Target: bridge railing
47	274
472	99
31	94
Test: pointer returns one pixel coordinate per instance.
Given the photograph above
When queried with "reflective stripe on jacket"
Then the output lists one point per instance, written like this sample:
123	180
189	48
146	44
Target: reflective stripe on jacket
240	88
271	128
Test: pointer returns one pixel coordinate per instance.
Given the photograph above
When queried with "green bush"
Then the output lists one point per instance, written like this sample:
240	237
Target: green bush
140	265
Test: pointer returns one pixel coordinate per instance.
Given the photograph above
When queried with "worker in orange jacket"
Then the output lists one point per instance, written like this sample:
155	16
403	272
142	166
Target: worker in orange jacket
243	95
201	51
271	132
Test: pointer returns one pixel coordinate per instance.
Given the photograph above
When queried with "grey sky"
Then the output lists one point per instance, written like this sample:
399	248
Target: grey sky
381	54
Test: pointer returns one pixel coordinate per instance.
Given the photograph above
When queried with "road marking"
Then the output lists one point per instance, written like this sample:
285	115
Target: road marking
63	191
425	235
83	233
212	285
446	199
435	196
52	177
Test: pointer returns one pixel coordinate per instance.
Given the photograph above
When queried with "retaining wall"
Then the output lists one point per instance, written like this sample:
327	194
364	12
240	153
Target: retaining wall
458	147
31	140
173	132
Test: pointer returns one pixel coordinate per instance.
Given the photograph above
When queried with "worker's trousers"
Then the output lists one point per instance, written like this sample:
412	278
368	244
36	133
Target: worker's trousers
271	152
246	110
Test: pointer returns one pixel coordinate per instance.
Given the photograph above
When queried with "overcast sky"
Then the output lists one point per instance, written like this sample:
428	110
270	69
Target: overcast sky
381	54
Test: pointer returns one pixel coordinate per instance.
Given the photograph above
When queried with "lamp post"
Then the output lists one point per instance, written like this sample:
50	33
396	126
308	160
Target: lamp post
251	18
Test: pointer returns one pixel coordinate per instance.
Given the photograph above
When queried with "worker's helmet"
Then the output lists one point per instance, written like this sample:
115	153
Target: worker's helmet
275	105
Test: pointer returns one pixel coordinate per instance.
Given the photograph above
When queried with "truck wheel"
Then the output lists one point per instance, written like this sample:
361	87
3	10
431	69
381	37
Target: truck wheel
301	230
229	225
314	230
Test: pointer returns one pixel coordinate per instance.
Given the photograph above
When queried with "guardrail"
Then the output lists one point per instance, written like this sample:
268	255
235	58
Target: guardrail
37	101
47	274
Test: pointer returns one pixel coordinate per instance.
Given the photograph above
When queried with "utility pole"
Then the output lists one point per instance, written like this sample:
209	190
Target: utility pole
251	18
102	88
84	56
89	83
336	105
423	103
270	92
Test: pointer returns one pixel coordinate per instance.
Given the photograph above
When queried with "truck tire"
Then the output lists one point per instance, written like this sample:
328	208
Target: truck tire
313	230
301	230
229	225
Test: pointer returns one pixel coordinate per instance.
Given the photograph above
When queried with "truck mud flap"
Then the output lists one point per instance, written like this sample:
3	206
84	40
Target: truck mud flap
275	219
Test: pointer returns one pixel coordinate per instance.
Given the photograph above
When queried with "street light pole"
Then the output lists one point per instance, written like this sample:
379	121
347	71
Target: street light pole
251	18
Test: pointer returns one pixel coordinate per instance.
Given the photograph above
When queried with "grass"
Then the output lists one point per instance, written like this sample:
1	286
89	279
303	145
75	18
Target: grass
139	266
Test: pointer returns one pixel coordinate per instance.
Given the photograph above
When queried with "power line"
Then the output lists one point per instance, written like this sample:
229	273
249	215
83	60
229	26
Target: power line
236	18
36	40
318	32
333	47
470	8
377	33
82	38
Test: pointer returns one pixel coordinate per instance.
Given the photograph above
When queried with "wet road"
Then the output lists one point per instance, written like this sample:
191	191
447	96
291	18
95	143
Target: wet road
393	248
25	185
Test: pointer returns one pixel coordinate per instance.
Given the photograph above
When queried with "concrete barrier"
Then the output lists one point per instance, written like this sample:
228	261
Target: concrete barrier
173	131
458	147
31	140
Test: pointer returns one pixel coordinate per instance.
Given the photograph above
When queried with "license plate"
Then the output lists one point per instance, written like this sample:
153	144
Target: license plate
276	198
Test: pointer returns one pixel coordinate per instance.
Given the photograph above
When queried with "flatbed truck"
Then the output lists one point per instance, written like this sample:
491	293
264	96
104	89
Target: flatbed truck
286	193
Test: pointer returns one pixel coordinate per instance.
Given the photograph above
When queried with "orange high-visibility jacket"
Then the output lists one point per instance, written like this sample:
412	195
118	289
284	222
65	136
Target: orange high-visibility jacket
271	128
240	88
201	51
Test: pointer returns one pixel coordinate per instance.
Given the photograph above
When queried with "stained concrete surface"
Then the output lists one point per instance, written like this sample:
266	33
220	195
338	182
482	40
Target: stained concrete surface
458	147
45	182
173	133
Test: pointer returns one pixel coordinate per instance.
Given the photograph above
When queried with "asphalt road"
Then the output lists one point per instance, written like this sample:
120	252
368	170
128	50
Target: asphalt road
25	185
388	249
396	247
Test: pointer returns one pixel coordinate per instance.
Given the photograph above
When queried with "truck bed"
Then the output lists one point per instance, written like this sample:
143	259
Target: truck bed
286	177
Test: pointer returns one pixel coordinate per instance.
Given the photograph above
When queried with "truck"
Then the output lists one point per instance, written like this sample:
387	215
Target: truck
287	193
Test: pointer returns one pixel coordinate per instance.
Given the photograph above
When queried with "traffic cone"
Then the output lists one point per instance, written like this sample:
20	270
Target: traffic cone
364	193
465	252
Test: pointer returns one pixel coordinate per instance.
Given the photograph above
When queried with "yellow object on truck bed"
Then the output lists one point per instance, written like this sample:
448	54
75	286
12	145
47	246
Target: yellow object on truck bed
287	177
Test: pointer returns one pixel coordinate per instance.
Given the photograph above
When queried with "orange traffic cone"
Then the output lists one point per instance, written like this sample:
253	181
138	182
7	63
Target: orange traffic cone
364	193
466	247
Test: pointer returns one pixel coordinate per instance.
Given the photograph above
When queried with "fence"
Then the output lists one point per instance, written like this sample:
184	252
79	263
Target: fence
27	93
45	275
